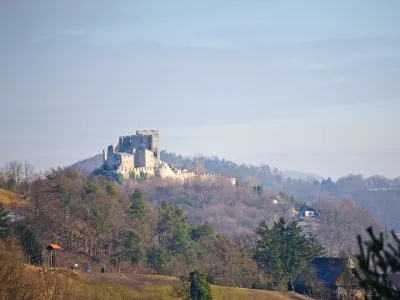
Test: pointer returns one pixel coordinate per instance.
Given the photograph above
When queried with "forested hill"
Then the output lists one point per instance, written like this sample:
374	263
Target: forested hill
378	194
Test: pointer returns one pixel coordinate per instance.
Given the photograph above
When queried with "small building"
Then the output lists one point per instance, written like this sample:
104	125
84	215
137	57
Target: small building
307	212
325	270
52	249
328	272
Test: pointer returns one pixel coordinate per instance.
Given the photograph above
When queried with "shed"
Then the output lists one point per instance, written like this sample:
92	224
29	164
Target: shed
52	249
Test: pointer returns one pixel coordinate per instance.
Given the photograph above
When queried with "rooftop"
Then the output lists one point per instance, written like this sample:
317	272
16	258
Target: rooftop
53	246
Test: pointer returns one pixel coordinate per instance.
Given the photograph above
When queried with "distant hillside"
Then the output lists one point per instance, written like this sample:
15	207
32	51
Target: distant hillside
94	162
378	194
90	164
300	175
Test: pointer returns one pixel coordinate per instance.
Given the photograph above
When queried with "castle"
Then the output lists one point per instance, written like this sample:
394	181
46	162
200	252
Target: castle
140	154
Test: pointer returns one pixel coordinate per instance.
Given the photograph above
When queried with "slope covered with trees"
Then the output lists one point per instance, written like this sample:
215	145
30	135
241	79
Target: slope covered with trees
158	226
377	194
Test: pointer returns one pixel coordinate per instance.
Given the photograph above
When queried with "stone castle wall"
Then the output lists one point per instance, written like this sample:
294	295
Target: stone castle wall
181	176
141	153
164	173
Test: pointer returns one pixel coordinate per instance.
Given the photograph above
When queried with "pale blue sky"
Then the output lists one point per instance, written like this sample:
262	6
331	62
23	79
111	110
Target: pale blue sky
311	86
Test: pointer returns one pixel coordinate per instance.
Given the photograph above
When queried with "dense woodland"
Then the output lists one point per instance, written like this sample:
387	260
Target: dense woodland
234	235
377	194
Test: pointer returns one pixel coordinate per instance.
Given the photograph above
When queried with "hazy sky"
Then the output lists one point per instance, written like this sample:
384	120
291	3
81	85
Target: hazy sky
301	85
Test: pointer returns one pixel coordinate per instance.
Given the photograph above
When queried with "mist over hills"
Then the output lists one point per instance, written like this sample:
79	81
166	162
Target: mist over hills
378	194
300	175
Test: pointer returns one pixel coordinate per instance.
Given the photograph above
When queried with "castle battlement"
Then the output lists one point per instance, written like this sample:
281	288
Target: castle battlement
140	153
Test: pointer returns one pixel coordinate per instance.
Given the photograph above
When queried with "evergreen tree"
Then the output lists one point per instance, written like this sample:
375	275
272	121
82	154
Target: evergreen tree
283	252
179	241
31	245
164	222
258	189
271	251
4	221
172	230
111	191
204	230
64	195
317	249
299	251
376	261
199	287
99	221
137	210
134	246
157	258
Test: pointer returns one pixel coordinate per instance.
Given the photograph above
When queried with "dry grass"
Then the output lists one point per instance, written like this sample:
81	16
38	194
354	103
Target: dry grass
228	293
9	198
19	279
158	287
141	287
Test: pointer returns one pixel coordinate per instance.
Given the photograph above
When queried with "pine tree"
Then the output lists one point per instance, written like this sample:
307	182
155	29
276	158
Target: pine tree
179	241
111	191
283	252
31	245
138	209
172	230
271	251
205	230
299	251
134	246
317	249
4	222
376	261
157	258
164	223
199	287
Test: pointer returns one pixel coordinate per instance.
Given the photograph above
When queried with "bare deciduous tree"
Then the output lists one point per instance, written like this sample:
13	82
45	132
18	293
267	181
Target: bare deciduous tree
27	177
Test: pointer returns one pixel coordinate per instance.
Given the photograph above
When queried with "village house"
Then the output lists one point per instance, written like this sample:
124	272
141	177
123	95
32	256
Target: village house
333	276
307	213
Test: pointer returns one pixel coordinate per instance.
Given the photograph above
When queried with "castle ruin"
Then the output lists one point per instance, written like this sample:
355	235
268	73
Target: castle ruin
140	153
134	151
